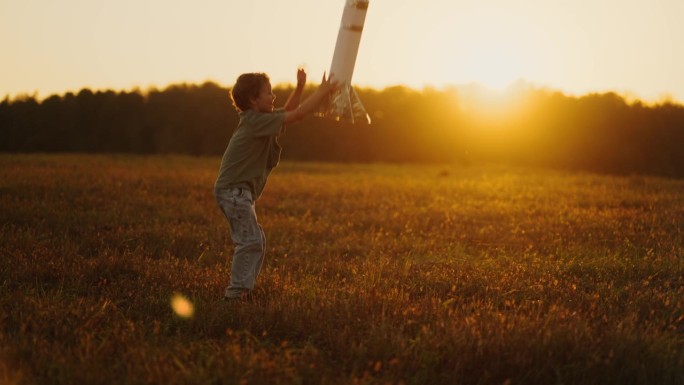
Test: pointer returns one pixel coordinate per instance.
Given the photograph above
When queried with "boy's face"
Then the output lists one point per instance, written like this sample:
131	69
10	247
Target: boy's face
264	101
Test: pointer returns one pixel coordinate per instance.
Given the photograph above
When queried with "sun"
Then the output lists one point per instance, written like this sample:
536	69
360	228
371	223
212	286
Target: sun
492	49
491	65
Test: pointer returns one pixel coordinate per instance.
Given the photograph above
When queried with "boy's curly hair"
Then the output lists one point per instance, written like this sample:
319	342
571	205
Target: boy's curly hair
246	88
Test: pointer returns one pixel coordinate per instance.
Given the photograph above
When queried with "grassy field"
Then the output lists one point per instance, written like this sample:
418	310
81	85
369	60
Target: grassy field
374	274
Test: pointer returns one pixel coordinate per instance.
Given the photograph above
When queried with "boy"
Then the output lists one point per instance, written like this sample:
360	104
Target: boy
253	151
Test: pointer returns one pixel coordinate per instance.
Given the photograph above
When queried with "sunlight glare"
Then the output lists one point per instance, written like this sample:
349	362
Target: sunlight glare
492	48
493	106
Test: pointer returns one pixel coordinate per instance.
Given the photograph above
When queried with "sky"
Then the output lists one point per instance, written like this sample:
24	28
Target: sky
633	47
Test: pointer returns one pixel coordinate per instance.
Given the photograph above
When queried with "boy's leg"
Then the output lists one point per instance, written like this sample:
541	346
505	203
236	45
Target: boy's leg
246	233
257	269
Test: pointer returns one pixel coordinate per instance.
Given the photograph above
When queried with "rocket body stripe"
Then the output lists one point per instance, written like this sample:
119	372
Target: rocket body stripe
348	40
344	103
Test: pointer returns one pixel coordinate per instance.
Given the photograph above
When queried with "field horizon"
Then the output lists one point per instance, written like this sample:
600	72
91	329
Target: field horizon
374	273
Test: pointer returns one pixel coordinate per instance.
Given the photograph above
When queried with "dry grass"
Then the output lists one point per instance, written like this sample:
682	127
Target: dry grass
374	274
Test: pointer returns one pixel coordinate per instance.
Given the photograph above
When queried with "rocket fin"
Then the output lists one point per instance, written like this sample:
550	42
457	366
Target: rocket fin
345	105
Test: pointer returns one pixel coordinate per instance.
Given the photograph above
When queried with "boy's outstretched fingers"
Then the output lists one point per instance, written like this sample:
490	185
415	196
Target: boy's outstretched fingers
332	82
301	76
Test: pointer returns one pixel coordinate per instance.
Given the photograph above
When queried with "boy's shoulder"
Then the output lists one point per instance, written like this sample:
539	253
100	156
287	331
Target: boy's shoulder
261	123
259	113
257	117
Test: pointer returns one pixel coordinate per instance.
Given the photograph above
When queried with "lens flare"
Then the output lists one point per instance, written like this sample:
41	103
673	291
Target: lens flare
182	306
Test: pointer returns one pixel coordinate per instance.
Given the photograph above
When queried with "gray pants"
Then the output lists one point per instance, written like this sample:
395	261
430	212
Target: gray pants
247	235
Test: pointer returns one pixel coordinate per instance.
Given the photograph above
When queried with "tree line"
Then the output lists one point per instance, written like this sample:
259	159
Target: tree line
524	125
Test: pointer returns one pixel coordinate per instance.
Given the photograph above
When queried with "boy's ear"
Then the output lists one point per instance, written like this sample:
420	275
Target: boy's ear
252	101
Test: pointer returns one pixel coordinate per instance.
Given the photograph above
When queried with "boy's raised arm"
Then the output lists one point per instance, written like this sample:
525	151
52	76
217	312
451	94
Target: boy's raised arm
296	95
310	104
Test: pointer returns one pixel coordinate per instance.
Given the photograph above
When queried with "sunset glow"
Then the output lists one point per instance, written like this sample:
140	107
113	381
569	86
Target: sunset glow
628	46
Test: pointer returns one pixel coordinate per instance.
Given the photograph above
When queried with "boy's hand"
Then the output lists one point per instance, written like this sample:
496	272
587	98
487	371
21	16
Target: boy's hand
311	103
301	77
328	85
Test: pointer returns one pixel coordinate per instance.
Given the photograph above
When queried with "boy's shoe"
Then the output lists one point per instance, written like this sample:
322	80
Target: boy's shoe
236	295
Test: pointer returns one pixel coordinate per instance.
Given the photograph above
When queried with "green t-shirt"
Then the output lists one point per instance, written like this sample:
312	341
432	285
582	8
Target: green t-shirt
253	151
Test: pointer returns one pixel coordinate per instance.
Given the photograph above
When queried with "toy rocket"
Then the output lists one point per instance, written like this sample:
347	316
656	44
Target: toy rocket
344	103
